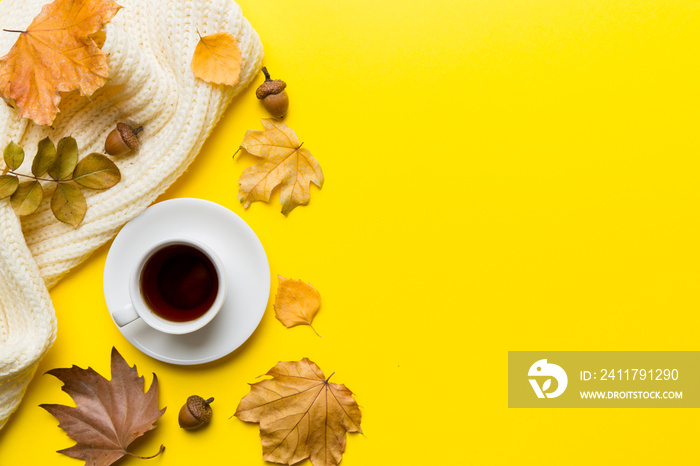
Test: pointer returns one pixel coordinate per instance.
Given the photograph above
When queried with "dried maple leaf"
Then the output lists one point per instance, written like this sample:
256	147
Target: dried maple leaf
56	53
301	414
296	303
217	59
109	414
282	162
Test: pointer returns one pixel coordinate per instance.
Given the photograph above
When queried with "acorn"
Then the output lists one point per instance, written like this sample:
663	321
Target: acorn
123	139
195	412
273	95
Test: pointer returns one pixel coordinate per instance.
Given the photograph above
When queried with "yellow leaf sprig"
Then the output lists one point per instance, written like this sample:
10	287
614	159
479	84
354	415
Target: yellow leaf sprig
68	204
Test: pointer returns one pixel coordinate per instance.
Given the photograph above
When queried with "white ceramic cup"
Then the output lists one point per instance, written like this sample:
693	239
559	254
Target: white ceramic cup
138	309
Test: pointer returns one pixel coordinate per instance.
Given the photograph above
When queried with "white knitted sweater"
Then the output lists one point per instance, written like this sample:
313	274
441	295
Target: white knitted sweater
150	45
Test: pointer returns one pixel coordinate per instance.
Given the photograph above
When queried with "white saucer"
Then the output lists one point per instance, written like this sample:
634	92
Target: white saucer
247	278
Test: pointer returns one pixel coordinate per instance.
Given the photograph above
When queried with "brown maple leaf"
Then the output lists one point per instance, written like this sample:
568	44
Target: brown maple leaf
282	162
296	303
301	414
57	53
109	414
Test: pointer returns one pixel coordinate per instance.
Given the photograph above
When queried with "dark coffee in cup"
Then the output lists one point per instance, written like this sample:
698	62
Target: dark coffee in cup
179	283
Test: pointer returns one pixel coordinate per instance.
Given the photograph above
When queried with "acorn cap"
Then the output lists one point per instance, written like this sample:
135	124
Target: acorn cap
272	86
199	408
128	136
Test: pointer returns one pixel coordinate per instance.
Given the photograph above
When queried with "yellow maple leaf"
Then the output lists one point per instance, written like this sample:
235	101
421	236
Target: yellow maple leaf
296	303
301	414
57	53
217	59
283	162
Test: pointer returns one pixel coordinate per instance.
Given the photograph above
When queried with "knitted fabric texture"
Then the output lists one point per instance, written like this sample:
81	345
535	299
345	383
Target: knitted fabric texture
150	44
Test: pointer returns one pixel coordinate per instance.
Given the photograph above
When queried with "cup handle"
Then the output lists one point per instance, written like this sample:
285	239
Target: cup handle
125	315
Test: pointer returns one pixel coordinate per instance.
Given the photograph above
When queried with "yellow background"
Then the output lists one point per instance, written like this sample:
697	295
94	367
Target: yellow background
500	175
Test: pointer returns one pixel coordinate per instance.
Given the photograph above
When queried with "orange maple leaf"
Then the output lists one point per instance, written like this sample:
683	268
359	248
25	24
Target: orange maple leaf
57	53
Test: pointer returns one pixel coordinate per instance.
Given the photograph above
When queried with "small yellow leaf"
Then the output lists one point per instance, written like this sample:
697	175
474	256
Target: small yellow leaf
68	204
296	303
8	185
45	157
14	155
217	59
96	172
66	159
27	198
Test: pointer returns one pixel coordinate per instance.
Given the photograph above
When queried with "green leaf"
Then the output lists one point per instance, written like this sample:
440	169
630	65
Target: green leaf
8	185
66	159
45	157
14	155
27	198
68	204
96	172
